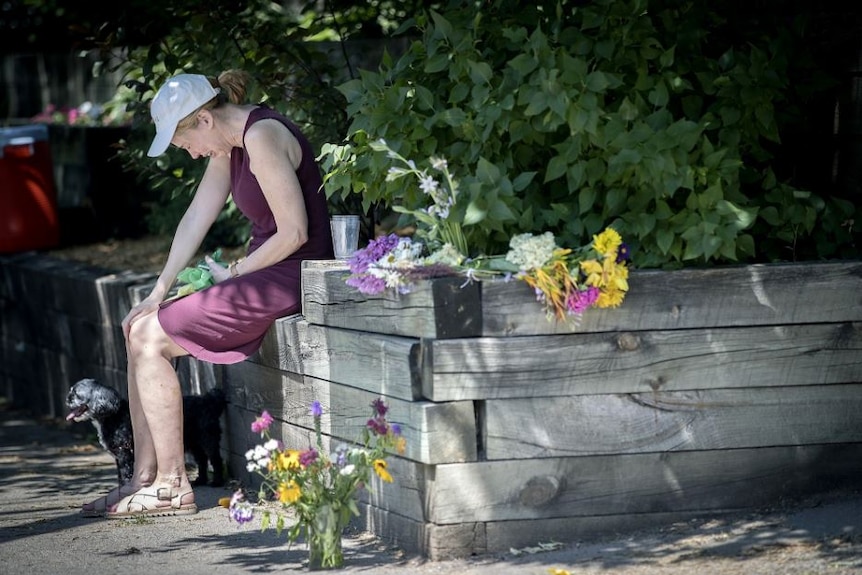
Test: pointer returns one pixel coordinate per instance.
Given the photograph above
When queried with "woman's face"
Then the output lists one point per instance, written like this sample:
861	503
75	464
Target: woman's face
200	140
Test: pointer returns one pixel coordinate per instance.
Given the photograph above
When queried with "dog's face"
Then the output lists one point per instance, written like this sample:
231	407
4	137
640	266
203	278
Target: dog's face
89	400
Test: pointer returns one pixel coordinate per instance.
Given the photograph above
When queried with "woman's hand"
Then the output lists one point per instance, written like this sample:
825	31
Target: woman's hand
218	272
149	305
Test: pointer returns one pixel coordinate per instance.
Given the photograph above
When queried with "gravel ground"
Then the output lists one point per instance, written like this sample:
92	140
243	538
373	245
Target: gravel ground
46	472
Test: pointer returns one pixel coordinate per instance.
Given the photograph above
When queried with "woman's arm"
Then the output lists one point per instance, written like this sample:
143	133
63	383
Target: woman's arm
274	156
208	201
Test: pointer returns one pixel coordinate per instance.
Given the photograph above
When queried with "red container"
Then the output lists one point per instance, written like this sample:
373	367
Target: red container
28	197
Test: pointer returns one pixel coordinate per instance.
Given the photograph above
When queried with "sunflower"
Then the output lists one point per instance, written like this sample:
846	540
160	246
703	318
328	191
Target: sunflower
380	469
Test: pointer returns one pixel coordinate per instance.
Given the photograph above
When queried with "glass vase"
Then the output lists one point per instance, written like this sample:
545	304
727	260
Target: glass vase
324	540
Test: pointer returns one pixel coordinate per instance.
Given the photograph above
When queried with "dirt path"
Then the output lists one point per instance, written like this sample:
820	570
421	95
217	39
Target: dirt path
145	254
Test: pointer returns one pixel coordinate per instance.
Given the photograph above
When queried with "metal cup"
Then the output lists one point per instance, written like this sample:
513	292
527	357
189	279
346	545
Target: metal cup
345	235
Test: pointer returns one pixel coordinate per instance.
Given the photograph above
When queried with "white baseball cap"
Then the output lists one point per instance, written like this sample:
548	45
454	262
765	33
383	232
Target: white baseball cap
176	99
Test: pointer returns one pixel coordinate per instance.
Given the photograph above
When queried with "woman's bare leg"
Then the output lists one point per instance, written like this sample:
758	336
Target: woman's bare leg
157	406
145	455
146	465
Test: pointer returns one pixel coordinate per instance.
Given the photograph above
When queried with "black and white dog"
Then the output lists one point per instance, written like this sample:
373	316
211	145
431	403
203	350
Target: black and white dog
89	400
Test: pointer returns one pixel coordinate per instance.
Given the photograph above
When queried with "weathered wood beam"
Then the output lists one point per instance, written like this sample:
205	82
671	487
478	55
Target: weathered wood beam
680	481
435	432
664	421
631	362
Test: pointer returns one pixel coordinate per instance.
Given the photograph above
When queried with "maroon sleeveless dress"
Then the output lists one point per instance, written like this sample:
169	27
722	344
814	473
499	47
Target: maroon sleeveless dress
227	322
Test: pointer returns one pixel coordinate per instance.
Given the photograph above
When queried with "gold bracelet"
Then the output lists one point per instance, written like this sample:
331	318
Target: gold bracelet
232	268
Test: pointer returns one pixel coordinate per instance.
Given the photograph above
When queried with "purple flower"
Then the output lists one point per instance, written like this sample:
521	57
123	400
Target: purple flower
308	457
376	249
379	407
579	301
623	254
262	423
367	284
396	429
378	426
316	409
341	455
240	510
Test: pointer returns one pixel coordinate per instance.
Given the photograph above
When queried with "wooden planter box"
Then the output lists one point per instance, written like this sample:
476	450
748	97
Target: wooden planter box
709	391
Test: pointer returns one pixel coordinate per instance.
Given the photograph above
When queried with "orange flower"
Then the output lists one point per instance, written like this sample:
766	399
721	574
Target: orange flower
400	445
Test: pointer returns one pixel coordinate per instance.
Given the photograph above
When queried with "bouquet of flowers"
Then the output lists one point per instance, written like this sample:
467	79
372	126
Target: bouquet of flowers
317	486
393	262
566	281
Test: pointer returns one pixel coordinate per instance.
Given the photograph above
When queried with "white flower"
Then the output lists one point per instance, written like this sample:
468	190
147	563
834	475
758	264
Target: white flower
260	452
446	255
252	466
348	469
439	163
531	252
428	185
249	455
406	254
394	173
271	445
438	211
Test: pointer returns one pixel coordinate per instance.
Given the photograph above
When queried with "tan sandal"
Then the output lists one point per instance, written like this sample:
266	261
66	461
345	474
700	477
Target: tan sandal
154	501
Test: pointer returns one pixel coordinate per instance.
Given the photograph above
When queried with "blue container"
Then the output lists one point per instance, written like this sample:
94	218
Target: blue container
28	196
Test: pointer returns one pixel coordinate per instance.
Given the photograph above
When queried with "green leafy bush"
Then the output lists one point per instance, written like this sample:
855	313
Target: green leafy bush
570	117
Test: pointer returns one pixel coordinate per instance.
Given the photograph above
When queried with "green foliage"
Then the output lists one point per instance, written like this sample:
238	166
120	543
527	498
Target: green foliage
570	117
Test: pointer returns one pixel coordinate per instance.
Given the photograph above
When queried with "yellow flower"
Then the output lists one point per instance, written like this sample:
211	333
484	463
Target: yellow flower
594	272
553	571
608	242
289	492
618	275
607	274
224	502
610	298
380	470
288	459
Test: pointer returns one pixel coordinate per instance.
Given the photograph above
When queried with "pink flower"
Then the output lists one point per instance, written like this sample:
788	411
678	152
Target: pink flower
262	423
308	457
579	301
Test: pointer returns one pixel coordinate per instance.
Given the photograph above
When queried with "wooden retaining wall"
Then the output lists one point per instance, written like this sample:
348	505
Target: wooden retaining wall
708	392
